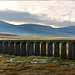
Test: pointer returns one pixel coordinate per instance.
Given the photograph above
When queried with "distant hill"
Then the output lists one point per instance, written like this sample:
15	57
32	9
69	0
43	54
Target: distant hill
36	30
7	34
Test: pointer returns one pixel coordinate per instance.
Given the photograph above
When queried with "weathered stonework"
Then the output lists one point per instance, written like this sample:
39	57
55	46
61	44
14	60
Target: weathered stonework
38	48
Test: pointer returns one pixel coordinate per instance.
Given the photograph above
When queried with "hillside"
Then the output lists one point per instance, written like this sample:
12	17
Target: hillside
36	30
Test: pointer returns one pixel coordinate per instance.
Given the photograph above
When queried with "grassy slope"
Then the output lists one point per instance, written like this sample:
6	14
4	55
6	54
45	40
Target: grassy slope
31	58
34	38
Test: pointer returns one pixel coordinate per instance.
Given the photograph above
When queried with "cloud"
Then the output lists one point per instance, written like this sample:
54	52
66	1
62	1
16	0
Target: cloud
54	13
25	17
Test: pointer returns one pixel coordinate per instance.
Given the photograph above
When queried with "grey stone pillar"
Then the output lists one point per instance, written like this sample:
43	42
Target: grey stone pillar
63	51
40	49
34	48
43	49
37	49
27	48
56	49
50	49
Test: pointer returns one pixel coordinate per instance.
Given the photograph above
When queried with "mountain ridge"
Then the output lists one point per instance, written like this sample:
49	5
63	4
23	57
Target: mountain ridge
36	30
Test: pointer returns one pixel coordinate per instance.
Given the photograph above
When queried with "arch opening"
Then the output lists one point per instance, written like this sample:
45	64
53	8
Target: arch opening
73	51
37	49
56	49
31	49
17	51
64	50
6	48
1	47
11	51
50	49
23	51
43	49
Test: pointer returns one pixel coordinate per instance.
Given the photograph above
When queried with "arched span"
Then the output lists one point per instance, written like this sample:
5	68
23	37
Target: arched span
11	50
73	51
31	49
64	50
37	49
50	49
1	47
56	49
17	50
23	50
43	49
5	51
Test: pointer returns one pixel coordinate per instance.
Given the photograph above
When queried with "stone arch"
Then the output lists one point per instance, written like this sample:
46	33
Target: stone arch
23	50
43	49
50	49
17	50
37	49
31	49
11	50
64	50
73	51
56	49
1	47
6	48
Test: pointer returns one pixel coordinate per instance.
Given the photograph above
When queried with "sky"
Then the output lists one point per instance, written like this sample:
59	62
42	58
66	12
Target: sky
50	13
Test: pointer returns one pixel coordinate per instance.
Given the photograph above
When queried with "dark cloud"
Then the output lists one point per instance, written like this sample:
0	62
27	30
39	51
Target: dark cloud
26	17
17	16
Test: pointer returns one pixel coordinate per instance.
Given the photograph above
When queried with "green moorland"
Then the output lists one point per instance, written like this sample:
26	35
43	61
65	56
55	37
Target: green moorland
35	65
34	59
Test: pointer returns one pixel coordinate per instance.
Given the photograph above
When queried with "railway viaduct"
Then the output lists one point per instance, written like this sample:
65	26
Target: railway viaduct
57	48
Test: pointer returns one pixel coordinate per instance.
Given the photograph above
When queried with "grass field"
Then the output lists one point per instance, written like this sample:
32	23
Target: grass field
35	38
35	65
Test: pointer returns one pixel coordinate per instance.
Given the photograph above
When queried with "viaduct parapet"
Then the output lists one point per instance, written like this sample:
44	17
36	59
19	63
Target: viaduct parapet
57	48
